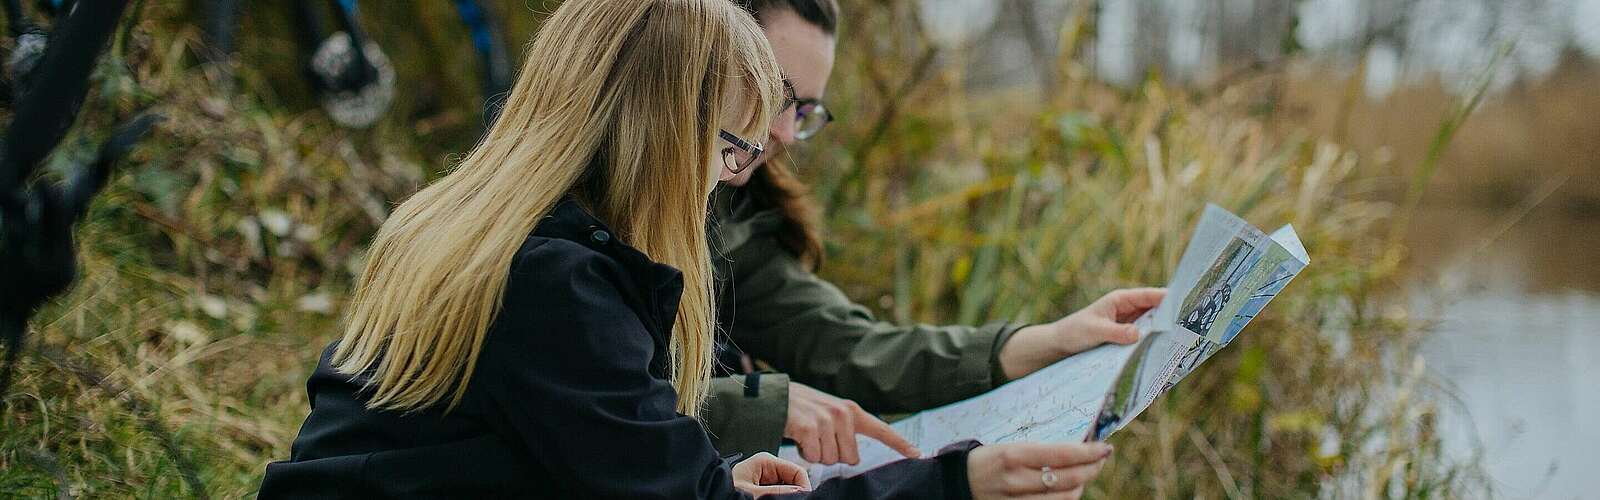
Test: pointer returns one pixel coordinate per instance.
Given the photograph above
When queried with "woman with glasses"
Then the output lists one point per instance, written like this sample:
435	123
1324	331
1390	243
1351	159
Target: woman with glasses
834	361
538	323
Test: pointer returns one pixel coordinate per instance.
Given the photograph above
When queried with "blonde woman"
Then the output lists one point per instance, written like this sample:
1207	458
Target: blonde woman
539	322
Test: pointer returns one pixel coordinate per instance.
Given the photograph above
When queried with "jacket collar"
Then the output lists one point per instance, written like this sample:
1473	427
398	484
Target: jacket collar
568	220
736	218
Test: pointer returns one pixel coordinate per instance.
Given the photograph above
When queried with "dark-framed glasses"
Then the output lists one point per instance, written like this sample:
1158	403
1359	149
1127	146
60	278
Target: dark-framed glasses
810	115
740	154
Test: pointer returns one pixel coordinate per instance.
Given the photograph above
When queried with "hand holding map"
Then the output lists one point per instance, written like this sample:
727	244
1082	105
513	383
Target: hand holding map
1228	273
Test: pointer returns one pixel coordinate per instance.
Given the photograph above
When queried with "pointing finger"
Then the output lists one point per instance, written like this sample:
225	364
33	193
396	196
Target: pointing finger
871	427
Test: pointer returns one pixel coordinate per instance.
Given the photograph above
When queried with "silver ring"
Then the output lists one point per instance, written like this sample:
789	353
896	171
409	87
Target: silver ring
1048	477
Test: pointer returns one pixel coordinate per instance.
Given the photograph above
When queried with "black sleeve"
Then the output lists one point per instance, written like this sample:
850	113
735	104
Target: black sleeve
942	477
568	365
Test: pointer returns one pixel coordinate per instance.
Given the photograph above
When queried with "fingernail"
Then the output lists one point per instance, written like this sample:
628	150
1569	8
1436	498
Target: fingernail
916	452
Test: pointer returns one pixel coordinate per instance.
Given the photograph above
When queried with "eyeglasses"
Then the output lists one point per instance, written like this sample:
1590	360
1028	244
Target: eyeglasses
740	155
810	115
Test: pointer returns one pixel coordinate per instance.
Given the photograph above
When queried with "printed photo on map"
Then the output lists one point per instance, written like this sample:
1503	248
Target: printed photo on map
1209	307
1281	263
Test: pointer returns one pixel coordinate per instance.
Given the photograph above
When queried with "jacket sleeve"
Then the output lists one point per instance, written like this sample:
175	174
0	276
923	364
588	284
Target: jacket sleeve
747	416
567	366
806	327
943	476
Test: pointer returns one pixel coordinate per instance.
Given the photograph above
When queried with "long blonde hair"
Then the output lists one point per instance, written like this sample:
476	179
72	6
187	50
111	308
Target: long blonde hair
618	103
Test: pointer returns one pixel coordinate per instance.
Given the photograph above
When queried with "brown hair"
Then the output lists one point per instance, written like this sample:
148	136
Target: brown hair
823	14
774	184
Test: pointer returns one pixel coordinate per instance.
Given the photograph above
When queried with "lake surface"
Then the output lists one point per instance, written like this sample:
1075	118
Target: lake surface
1517	342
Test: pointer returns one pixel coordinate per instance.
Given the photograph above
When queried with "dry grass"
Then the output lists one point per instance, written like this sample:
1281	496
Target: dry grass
978	205
1521	137
217	264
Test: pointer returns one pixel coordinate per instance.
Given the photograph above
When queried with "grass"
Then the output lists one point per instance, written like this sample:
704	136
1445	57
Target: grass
217	264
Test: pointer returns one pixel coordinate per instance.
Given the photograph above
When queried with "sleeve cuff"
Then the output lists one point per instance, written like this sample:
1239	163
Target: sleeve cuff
979	367
769	412
748	420
953	463
1002	334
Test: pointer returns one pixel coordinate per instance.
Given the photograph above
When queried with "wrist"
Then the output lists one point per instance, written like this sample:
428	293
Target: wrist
1030	349
997	365
1052	341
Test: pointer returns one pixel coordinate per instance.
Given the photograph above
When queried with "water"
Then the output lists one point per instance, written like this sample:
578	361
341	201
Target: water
1517	341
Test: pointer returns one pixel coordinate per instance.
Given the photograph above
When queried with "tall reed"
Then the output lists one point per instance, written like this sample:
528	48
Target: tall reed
1000	203
217	264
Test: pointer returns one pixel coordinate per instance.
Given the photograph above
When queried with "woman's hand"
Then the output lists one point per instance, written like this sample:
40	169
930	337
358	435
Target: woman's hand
764	474
824	427
1018	470
1109	319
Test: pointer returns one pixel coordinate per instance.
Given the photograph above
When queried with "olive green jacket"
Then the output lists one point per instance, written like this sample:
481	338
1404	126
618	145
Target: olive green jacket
779	313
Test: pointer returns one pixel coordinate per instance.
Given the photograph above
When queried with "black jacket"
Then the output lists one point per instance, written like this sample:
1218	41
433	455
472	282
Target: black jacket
570	398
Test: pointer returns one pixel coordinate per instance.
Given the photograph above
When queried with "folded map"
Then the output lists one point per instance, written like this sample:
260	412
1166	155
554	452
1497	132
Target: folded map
1228	273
